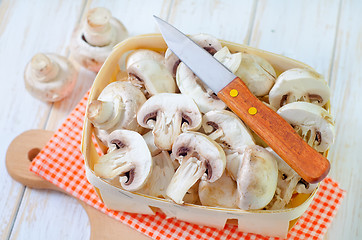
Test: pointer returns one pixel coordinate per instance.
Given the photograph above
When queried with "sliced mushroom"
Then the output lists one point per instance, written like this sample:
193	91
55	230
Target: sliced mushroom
49	77
257	178
95	38
160	177
147	71
199	157
229	131
128	158
150	141
116	108
257	73
209	43
221	193
312	122
299	84
168	114
289	182
190	84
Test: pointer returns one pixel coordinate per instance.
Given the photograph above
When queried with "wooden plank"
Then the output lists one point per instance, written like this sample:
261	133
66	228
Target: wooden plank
26	29
346	86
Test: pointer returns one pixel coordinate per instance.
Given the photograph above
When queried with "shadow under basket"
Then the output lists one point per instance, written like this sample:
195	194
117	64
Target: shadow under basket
275	223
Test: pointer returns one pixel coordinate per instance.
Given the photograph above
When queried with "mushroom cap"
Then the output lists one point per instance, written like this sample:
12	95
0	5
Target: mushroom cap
91	55
208	151
143	54
191	85
154	75
123	101
128	157
234	132
257	73
221	193
299	84
257	178
208	42
49	77
167	114
312	122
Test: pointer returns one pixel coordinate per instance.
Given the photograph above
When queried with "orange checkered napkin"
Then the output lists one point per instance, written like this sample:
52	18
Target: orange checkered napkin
61	163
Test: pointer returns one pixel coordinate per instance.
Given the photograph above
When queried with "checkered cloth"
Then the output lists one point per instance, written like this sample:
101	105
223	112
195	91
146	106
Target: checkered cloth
61	162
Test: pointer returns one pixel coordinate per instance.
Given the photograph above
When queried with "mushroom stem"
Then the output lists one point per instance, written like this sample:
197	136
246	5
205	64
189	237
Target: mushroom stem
99	111
187	174
43	68
167	126
98	30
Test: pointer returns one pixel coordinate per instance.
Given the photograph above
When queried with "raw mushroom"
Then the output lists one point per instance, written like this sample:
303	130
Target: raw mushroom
192	195
168	114
209	43
160	177
257	178
116	108
95	38
150	141
199	157
257	74
49	77
147	71
289	182
221	193
229	131
190	84
299	84
128	158
312	122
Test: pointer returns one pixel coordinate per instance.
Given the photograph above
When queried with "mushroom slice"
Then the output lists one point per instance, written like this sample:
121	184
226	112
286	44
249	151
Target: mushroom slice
208	42
95	38
160	177
312	122
190	84
168	114
257	73
49	77
150	141
221	193
299	84
199	157
257	178
116	108
128	158
229	131
147	71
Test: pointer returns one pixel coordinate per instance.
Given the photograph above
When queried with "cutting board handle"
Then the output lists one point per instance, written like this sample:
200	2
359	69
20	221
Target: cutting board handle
23	149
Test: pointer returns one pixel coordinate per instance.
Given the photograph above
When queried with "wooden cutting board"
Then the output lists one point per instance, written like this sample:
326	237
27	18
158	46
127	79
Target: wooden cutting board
23	149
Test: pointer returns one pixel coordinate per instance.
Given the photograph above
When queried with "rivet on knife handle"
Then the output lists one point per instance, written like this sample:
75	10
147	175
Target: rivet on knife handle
275	131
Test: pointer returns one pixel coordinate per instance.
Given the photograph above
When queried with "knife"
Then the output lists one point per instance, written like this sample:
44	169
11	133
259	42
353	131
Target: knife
273	129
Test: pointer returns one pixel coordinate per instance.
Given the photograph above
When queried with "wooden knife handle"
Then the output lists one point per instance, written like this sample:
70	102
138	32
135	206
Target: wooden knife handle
275	131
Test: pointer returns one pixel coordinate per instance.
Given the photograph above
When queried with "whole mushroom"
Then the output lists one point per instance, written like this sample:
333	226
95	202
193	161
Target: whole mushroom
191	85
128	158
229	131
147	71
116	108
208	42
95	38
257	178
299	84
168	114
257	73
49	77
312	122
199	157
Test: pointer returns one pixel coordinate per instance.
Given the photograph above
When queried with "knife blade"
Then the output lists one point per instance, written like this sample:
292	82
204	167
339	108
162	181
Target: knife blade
273	129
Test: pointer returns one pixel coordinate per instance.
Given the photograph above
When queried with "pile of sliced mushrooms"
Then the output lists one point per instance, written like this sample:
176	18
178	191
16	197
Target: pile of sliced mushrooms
169	136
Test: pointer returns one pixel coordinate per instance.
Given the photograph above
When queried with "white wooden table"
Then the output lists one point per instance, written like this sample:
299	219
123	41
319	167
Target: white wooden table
325	34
